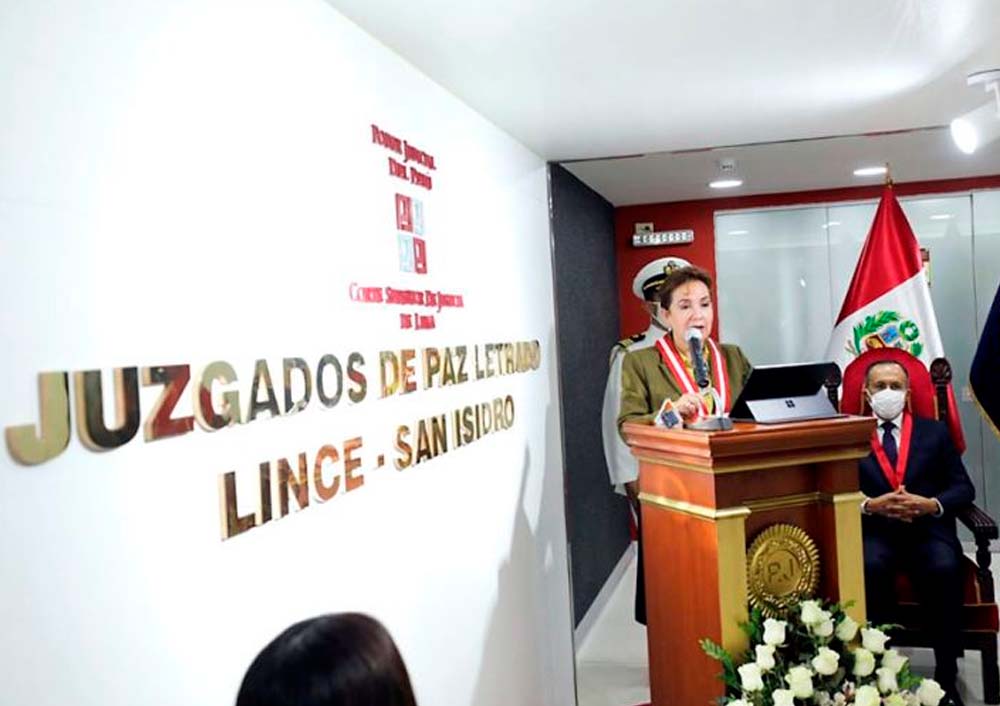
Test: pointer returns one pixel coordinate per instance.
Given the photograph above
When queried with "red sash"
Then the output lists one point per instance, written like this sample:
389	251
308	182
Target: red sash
672	359
894	475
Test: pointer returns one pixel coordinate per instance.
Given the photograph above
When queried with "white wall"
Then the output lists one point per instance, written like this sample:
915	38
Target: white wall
190	181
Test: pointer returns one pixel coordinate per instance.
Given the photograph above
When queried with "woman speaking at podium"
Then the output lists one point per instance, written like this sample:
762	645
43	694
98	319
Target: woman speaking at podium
668	370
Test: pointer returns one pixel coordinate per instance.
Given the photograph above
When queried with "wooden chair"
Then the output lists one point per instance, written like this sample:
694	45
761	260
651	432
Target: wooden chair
931	396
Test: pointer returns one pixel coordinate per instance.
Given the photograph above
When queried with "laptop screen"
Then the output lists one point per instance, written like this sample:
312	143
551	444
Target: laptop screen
782	382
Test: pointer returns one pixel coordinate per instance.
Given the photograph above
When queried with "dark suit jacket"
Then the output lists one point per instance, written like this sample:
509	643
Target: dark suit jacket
935	470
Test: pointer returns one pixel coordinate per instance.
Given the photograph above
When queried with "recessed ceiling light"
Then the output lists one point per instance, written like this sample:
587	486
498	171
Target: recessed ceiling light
942	216
725	183
738	232
870	171
830	224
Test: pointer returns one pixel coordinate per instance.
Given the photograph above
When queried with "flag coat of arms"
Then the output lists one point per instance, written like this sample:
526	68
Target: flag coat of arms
888	303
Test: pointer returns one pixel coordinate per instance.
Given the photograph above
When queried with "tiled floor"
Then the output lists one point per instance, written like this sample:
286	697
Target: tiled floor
612	665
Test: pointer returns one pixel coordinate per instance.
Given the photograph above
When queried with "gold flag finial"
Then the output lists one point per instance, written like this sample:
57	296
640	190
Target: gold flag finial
888	175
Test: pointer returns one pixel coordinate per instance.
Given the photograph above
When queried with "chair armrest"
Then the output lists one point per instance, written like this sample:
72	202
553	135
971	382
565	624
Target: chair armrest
984	529
982	526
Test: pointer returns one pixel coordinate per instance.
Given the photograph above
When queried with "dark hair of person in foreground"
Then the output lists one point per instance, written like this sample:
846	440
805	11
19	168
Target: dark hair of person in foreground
343	659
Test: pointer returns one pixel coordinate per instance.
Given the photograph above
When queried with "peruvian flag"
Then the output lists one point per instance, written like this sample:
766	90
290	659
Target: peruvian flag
888	303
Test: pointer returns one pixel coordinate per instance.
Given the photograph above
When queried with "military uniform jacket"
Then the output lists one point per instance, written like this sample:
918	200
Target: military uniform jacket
646	381
623	467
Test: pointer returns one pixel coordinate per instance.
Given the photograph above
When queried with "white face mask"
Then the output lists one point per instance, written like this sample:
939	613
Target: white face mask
888	404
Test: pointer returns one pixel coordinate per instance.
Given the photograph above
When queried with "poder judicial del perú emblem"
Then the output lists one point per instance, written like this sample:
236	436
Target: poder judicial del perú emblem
782	568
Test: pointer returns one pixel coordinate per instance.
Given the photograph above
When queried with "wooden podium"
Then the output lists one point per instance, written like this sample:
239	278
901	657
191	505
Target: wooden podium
705	496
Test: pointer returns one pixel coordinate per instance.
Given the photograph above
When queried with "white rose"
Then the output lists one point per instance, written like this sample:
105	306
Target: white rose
750	677
873	640
811	613
774	632
867	696
800	681
783	697
886	680
823	629
930	693
864	662
826	661
765	657
822	698
894	661
847	629
739	702
896	699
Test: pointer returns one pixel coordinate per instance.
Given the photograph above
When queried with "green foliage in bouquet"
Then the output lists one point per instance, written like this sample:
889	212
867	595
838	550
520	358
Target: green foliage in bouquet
816	654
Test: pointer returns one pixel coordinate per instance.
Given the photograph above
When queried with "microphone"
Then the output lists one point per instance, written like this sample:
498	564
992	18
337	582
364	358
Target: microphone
693	338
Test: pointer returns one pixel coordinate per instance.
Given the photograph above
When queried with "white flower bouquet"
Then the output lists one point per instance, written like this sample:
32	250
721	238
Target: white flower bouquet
819	655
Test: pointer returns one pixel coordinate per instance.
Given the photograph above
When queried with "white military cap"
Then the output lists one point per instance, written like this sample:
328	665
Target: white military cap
652	274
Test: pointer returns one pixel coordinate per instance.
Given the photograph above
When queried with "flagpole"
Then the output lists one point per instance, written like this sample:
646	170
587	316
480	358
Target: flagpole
888	175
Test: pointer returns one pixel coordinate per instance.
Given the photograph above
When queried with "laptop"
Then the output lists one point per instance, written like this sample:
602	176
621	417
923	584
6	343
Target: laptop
778	394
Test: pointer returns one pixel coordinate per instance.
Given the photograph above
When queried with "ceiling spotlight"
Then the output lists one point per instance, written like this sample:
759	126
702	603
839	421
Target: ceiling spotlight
831	224
870	171
738	232
942	216
982	125
725	183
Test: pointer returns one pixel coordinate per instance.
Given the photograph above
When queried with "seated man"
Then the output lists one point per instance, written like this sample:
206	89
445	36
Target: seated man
915	482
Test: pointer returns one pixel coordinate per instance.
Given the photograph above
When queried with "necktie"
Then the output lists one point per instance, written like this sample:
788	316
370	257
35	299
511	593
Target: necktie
889	443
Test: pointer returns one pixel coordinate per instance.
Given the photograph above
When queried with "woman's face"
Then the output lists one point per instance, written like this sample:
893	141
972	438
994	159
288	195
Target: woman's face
690	307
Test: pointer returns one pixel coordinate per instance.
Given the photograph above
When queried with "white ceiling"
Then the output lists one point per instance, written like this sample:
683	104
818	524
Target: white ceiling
789	166
575	79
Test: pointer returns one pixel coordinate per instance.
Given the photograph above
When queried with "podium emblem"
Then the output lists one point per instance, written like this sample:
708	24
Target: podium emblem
782	569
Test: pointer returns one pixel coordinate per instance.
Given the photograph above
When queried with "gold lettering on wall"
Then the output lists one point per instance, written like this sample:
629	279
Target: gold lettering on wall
264	511
357	376
321	387
298	483
31	447
405	458
288	365
159	424
350	464
89	393
262	374
208	418
325	492
232	523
